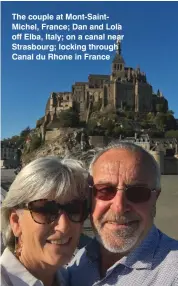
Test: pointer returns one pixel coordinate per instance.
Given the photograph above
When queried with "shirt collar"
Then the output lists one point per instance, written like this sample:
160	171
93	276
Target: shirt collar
142	256
93	250
17	271
139	258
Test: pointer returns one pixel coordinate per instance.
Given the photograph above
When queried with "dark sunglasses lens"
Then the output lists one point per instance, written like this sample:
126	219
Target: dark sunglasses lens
76	211
138	194
104	193
44	211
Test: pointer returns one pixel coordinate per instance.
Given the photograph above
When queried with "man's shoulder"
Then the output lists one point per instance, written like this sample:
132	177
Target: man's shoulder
168	250
168	242
161	254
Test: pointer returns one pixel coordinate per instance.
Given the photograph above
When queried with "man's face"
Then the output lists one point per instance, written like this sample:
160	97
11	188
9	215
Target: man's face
119	224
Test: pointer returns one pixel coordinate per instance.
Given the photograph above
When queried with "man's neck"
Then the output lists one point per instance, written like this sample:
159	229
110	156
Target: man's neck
108	259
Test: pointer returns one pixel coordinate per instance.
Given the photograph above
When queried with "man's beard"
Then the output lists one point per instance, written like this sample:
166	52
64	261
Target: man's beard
120	240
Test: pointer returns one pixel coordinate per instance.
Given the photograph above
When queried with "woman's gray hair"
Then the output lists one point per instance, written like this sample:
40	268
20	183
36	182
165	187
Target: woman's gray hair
133	148
46	177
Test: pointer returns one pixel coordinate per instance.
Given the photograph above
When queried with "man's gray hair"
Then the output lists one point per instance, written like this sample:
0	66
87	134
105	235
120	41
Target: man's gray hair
133	148
46	177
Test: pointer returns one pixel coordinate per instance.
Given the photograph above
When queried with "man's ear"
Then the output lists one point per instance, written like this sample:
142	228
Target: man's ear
158	193
15	223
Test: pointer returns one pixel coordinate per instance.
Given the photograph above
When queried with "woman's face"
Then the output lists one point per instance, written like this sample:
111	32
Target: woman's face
51	244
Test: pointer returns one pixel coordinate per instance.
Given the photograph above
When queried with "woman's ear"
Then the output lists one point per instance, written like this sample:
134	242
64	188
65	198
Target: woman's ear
15	223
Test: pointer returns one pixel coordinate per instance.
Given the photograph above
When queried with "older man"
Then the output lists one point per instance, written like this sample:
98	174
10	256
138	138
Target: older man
128	249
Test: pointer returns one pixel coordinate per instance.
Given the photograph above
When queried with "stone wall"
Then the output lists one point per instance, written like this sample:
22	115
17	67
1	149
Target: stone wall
52	134
159	157
170	166
97	141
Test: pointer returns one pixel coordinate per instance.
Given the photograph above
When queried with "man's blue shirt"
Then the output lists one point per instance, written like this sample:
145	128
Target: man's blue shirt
153	262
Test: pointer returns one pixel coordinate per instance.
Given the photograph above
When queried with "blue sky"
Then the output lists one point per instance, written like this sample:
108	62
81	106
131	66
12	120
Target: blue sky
150	41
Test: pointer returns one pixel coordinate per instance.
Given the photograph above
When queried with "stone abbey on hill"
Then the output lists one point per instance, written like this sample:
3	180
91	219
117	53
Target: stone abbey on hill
125	88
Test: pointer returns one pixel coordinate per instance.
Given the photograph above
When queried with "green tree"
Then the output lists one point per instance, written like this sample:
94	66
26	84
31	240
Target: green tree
144	124
129	132
35	142
160	121
117	131
156	134
25	132
170	121
120	113
14	139
172	134
23	135
108	125
92	126
170	112
150	117
129	114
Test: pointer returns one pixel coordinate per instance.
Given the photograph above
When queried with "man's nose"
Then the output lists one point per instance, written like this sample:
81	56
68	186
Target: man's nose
119	203
62	223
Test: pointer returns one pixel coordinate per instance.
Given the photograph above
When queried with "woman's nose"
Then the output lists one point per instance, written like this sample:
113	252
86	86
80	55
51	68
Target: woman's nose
62	223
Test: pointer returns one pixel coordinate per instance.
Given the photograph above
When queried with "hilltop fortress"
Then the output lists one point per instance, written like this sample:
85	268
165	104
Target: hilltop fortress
125	88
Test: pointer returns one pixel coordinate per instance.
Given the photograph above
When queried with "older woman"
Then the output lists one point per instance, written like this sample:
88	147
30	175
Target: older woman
42	217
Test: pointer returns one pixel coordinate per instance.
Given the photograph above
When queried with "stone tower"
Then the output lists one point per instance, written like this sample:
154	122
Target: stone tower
118	64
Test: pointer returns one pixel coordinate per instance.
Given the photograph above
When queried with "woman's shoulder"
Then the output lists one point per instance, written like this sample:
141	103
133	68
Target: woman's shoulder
4	259
5	280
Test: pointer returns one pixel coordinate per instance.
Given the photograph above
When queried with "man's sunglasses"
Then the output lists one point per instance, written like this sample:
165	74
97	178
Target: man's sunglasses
45	212
134	194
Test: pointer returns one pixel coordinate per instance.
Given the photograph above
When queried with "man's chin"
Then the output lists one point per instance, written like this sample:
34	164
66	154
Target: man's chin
115	243
121	248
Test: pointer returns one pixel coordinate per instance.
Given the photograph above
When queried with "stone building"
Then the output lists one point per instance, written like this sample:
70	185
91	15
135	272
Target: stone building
124	89
8	153
8	150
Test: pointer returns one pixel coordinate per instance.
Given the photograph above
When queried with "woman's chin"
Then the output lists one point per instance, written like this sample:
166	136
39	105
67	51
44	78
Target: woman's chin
59	254
54	259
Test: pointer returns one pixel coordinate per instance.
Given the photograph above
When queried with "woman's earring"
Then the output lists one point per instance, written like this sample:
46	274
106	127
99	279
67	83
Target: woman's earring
18	247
